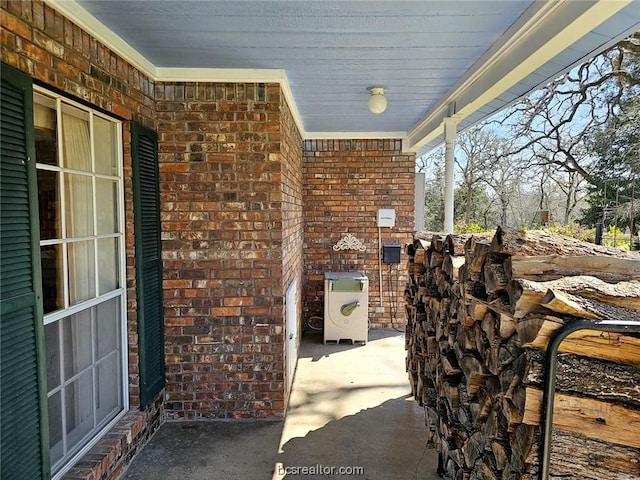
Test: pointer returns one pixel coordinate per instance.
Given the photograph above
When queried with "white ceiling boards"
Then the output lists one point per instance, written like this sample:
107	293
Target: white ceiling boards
431	57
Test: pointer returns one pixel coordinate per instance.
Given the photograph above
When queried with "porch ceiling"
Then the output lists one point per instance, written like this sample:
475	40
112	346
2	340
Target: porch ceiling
435	58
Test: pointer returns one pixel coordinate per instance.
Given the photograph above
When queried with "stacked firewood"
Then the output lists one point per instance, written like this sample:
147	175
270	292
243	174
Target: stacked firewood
481	310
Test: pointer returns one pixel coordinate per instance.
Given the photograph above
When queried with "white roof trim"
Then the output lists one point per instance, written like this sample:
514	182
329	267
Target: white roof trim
548	29
267	75
86	21
354	135
288	95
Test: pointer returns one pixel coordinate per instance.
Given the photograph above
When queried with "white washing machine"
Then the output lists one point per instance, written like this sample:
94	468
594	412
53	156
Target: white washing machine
346	306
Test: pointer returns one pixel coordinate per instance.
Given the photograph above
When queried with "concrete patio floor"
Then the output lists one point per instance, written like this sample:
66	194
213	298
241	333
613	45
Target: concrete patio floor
350	408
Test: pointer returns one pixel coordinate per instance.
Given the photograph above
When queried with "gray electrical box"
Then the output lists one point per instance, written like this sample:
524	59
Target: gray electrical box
391	253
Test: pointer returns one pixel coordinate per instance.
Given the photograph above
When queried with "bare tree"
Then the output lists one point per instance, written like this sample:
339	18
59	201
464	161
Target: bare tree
432	165
557	191
426	163
504	178
572	185
476	150
555	125
554	121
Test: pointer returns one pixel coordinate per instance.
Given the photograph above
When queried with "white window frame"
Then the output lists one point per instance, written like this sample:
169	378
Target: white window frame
121	245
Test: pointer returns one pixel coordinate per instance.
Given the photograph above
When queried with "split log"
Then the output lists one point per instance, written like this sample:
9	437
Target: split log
455	244
479	336
451	266
512	413
436	259
568	304
543	268
451	393
501	454
479	250
419	256
507	326
431	422
529	327
438	243
496	276
477	310
449	364
473	449
610	346
416	269
575	456
475	373
525	296
523	448
484	469
543	256
607	381
423	239
595	419
541	242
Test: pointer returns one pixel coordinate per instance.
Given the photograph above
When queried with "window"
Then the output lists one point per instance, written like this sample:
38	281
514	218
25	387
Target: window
80	193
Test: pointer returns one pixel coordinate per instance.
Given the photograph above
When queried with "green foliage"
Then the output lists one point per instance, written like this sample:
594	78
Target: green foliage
614	145
574	230
478	205
615	176
613	237
434	200
470	228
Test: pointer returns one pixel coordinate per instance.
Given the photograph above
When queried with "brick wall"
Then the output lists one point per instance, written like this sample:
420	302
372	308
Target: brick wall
59	55
345	183
232	211
292	212
223	164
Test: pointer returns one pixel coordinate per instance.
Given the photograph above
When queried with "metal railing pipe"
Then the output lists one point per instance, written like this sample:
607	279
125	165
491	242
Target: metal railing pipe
549	393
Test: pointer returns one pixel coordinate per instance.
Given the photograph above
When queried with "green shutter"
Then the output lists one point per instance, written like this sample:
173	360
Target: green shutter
24	438
146	197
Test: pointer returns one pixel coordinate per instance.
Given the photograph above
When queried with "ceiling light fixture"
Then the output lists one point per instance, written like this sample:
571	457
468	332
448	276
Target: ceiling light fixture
377	100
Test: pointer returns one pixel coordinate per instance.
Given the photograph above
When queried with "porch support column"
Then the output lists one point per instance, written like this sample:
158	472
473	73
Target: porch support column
450	124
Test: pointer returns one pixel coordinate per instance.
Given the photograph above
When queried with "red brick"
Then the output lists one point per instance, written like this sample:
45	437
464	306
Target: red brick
11	23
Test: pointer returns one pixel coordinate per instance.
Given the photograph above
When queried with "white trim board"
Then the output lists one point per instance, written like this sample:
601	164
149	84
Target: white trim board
544	31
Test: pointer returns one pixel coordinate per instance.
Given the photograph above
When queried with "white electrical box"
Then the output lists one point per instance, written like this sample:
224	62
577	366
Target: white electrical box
386	217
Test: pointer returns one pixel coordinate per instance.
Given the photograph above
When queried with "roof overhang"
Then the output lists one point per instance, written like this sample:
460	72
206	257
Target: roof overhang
547	40
535	41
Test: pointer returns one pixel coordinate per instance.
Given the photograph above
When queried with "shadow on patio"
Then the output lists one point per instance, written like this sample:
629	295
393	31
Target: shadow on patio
350	408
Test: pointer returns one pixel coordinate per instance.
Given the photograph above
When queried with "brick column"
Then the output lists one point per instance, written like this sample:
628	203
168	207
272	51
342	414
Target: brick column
220	180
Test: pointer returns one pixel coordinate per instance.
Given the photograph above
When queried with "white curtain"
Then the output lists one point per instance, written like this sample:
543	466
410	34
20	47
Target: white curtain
44	117
76	155
76	144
